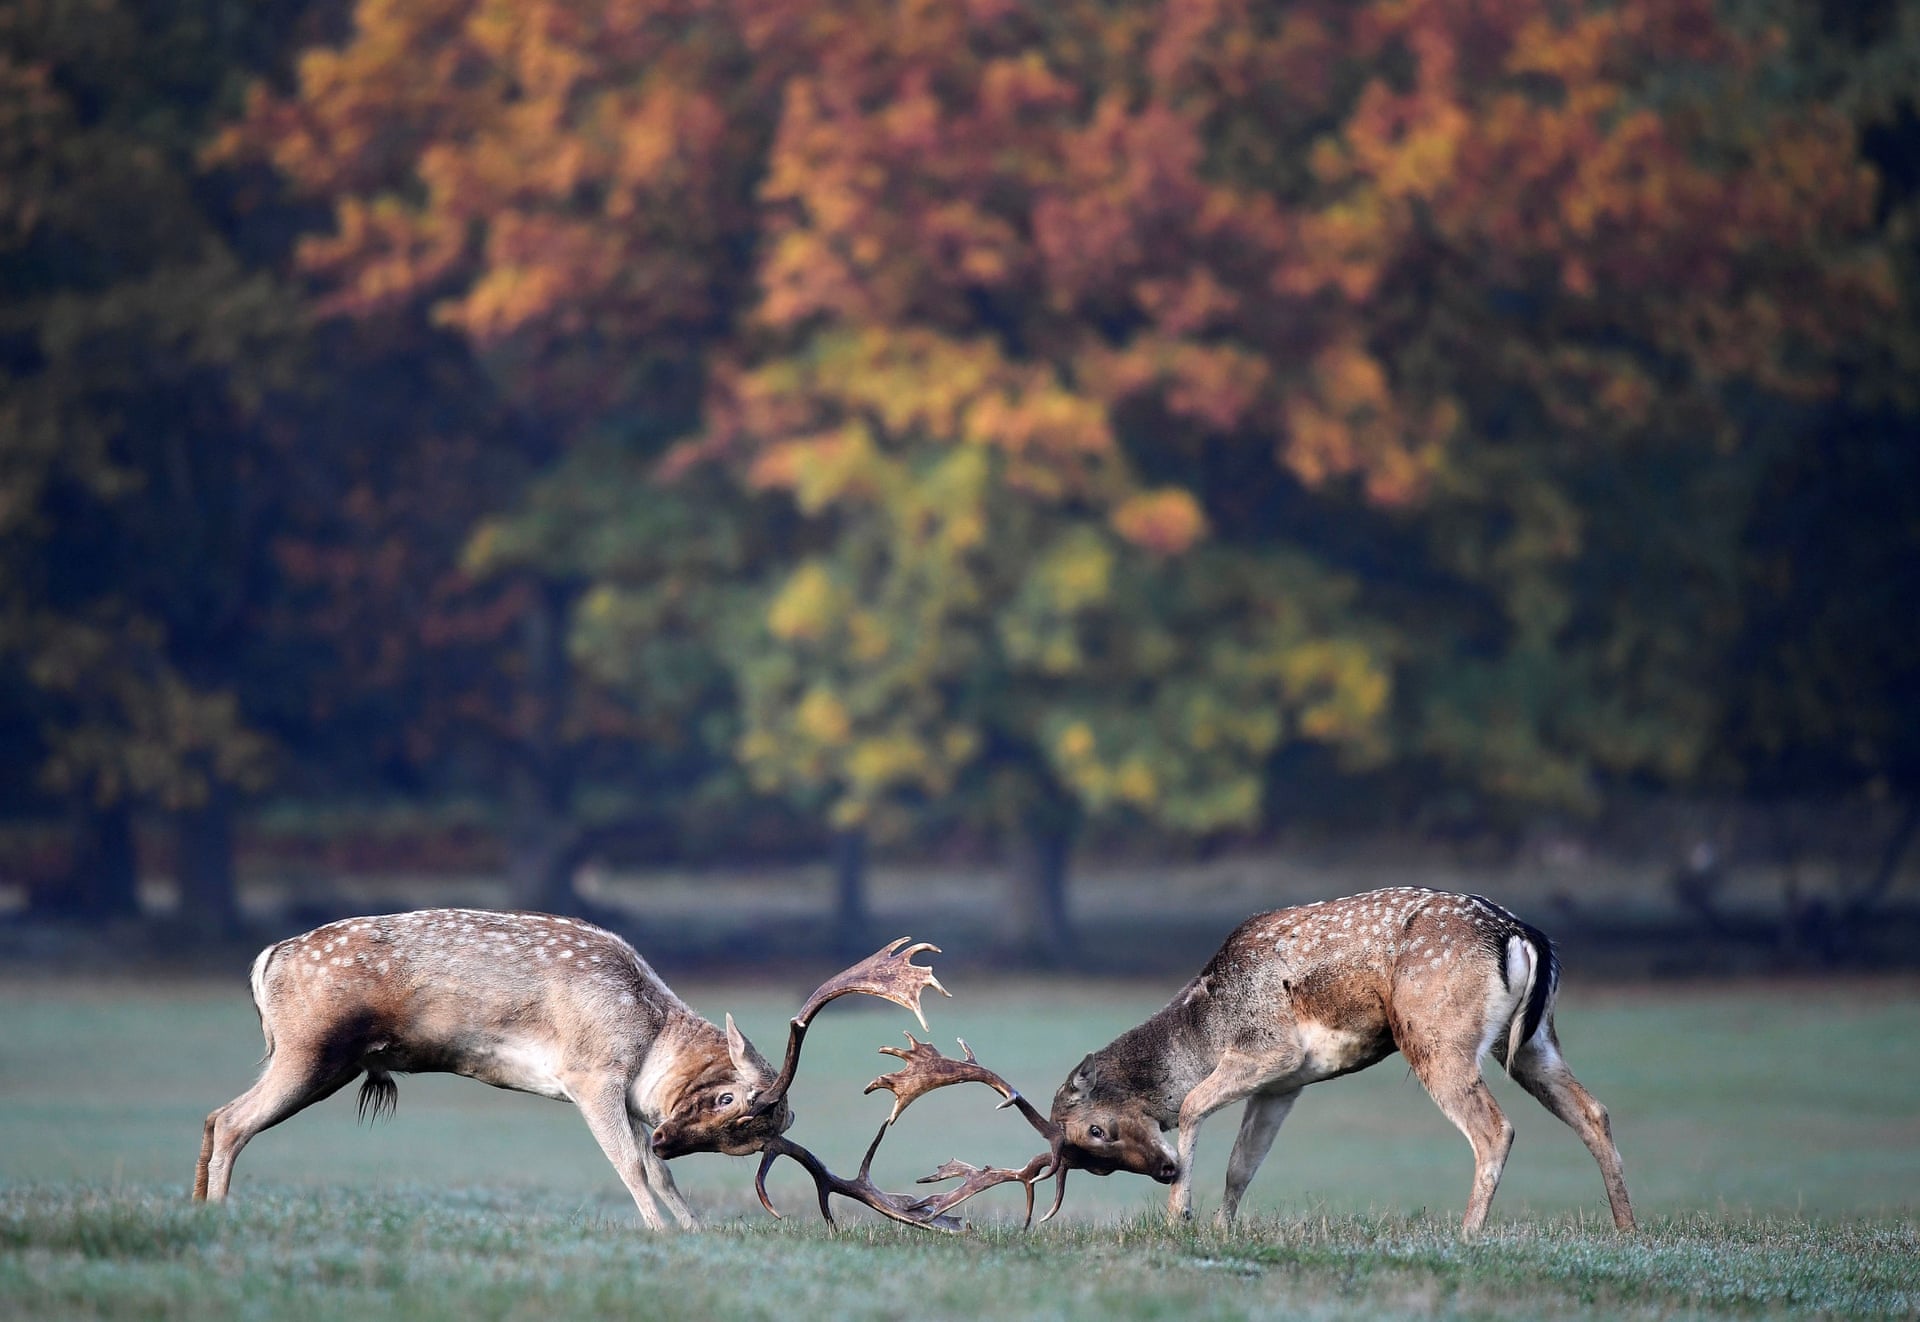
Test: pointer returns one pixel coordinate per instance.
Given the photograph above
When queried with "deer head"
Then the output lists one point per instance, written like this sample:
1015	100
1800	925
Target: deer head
1095	1129
728	1106
1107	1126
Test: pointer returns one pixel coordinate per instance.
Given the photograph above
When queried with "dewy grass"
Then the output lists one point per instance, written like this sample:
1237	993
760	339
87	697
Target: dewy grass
93	1224
306	1254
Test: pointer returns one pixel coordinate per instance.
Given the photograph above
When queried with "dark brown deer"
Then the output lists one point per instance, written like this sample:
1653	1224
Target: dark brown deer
538	1004
1300	995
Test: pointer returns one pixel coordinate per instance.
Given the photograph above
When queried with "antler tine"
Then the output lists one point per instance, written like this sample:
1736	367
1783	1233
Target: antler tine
897	1207
975	1179
889	973
1059	1188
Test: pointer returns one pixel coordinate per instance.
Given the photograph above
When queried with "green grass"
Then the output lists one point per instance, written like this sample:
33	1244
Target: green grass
1772	1141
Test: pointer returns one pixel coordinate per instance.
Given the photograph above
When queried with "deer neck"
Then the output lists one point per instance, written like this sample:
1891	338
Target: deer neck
1165	1058
686	1054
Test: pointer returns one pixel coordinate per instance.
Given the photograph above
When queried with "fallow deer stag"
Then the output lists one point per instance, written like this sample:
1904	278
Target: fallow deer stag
1300	995
538	1004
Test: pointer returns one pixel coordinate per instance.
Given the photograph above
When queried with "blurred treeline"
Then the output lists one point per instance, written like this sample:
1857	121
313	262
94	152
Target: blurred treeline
716	428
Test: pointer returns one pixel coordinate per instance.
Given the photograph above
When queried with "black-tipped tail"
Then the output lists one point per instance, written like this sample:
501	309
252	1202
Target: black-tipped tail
379	1096
1546	981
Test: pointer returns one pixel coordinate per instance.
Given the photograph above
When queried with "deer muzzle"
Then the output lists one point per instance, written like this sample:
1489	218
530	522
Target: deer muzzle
1157	1165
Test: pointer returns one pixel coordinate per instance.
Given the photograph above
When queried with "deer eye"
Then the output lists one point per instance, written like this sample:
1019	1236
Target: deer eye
1094	1131
724	1099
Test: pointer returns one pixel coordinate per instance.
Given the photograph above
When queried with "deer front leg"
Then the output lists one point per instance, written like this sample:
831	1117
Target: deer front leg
1265	1114
602	1100
1236	1076
660	1180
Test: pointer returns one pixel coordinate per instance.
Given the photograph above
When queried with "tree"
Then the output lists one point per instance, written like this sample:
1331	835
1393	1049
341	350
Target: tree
1116	366
564	191
1457	283
962	644
647	716
1823	707
135	356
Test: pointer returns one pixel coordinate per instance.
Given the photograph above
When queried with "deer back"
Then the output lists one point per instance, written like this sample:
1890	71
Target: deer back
533	1002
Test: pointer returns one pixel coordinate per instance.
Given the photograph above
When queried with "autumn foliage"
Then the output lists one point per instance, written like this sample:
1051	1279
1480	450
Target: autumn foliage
1101	399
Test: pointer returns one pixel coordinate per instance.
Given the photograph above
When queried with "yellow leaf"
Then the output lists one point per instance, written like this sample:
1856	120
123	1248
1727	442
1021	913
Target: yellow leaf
805	606
1075	742
823	718
1135	782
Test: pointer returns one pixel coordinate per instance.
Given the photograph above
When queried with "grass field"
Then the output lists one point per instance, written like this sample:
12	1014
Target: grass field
1772	1141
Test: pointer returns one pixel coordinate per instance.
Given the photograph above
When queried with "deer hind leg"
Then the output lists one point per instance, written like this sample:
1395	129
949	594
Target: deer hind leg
1541	1070
1452	1079
603	1103
293	1081
1265	1114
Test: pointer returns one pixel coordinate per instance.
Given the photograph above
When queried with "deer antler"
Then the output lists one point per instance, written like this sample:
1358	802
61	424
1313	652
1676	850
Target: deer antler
891	975
861	1189
977	1178
925	1070
888	973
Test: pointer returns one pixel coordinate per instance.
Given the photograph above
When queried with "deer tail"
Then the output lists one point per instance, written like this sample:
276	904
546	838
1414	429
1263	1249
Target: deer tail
1530	949
379	1096
257	983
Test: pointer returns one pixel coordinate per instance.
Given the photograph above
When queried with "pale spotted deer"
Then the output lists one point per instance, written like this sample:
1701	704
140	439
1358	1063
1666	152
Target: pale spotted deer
537	1004
1300	995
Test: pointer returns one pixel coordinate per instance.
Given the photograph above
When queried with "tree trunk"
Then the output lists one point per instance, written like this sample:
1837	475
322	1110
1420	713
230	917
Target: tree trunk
103	874
852	918
541	861
203	867
546	844
1861	906
1035	924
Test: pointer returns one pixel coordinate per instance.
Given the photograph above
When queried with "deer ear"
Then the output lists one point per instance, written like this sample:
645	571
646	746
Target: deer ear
747	1062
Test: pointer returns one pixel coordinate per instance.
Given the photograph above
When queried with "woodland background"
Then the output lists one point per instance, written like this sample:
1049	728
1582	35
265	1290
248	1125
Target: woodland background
544	440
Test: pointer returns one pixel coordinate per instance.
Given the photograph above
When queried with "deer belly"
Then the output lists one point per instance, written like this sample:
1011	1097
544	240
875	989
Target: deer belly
522	1066
1327	1050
